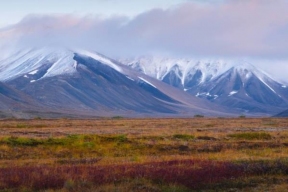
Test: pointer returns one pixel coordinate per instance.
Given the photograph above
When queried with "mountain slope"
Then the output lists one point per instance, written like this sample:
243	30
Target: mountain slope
282	114
14	103
11	99
241	87
234	84
86	82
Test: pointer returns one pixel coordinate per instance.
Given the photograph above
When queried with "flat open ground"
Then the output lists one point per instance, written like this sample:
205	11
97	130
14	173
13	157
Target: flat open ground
208	154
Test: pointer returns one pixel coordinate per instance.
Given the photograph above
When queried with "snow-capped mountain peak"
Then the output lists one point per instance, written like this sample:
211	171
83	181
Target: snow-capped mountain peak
45	62
84	81
52	60
206	69
229	82
99	58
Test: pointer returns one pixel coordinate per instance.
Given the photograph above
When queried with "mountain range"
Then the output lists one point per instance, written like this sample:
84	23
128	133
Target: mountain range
51	82
235	84
83	83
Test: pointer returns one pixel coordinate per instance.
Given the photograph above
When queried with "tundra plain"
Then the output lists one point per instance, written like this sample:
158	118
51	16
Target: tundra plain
122	154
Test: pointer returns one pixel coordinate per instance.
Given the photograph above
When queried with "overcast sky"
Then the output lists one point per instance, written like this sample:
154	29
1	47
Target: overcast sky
12	11
256	30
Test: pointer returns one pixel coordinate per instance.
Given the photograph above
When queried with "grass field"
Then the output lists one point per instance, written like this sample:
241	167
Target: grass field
118	154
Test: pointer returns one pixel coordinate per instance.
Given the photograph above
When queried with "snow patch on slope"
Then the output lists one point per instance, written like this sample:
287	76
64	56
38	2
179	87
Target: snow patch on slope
147	82
29	61
33	72
232	93
100	59
266	85
60	60
130	78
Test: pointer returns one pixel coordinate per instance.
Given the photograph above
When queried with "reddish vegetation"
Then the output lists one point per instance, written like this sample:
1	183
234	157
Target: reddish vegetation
145	154
190	173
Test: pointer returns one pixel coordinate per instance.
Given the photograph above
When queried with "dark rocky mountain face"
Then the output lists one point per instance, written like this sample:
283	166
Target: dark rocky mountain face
174	77
193	80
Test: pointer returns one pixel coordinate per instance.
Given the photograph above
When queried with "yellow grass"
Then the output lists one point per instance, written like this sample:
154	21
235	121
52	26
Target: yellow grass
123	141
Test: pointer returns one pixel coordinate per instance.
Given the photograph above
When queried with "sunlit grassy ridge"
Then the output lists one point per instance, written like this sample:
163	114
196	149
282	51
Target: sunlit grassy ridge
143	154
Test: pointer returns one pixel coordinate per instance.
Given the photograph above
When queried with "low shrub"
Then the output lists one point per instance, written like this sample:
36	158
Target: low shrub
198	116
116	138
206	138
18	141
21	126
251	136
189	173
117	117
183	137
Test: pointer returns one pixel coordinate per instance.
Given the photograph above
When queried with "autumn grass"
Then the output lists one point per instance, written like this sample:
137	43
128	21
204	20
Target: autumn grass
164	154
251	136
182	174
192	174
185	137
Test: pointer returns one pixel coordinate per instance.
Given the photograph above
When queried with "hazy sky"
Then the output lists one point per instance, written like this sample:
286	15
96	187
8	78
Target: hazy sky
12	11
256	30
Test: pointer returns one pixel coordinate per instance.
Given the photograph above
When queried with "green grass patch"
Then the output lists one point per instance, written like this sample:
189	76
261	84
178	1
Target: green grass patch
251	136
115	138
22	141
184	137
86	141
206	138
22	126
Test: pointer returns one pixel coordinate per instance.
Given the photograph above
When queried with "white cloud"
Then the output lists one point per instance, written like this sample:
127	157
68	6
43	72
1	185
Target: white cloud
248	28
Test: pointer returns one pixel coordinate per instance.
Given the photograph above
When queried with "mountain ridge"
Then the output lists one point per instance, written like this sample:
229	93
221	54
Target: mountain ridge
86	82
213	79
